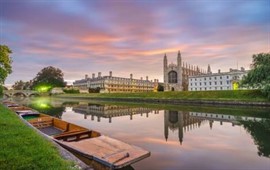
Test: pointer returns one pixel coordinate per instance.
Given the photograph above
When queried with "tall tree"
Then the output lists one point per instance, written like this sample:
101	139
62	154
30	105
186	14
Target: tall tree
259	75
5	64
48	78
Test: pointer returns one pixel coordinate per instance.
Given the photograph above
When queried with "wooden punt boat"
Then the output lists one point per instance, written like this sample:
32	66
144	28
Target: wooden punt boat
88	143
22	109
10	104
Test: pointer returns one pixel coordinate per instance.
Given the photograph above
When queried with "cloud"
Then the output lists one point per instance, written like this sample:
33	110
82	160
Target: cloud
132	36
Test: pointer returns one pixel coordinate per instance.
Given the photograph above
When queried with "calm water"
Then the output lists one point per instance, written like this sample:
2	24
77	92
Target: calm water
179	138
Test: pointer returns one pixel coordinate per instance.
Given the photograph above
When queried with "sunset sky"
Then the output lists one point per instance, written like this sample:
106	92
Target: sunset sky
124	36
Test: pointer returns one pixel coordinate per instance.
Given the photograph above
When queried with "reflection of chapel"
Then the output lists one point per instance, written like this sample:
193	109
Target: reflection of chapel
182	121
176	75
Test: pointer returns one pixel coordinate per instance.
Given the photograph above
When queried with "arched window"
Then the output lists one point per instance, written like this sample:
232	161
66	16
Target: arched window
172	77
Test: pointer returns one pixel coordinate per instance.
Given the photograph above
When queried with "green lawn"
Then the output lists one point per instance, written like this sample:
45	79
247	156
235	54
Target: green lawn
236	95
23	148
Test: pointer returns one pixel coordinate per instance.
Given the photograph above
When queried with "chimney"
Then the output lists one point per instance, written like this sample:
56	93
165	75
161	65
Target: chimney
242	69
141	78
93	75
86	76
147	78
131	76
231	69
110	73
99	74
218	70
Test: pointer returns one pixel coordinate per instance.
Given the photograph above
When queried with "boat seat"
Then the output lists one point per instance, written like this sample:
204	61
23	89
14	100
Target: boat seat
74	135
41	122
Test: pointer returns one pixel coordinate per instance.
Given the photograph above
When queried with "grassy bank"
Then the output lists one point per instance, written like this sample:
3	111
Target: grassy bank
23	148
236	95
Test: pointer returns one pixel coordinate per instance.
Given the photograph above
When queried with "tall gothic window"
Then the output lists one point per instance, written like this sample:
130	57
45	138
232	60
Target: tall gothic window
172	77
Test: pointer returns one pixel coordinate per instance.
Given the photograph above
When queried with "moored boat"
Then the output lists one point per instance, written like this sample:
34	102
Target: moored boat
88	143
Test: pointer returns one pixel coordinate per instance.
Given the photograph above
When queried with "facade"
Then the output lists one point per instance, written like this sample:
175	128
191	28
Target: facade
110	84
216	81
176	75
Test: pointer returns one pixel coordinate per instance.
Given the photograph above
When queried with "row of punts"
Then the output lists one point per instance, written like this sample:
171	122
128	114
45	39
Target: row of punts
85	142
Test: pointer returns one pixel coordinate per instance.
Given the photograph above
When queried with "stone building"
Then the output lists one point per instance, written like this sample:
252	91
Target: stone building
216	81
111	84
176	75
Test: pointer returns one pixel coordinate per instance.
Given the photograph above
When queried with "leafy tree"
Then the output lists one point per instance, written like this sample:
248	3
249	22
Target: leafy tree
5	64
259	75
48	78
21	85
160	87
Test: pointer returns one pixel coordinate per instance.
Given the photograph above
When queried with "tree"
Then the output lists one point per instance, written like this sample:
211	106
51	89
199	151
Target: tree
259	75
48	78
5	64
160	87
21	85
18	85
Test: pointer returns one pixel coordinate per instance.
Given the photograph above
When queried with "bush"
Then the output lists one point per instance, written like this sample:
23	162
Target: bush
94	90
1	90
72	91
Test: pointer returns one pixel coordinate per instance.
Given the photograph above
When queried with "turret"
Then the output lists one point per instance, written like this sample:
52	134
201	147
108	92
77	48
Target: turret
209	69
165	65
179	59
165	61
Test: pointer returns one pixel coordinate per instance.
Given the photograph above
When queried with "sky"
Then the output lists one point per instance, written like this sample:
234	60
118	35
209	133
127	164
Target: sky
125	36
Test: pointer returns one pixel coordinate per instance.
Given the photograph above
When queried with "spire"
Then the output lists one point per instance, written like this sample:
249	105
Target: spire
179	59
209	69
165	61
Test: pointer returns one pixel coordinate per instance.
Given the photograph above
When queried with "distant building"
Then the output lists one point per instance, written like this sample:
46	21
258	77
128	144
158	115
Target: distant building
216	81
110	84
176	75
56	90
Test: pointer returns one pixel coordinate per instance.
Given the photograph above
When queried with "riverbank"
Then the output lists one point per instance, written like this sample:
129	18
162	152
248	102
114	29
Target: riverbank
23	148
239	97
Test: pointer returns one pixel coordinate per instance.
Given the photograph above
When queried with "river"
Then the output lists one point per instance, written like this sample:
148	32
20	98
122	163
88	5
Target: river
178	137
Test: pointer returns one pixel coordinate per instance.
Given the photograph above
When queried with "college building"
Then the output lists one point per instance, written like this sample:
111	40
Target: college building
111	84
216	81
176	75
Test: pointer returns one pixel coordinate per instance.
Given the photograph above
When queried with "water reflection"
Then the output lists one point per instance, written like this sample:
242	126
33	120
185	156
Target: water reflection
178	139
181	121
110	111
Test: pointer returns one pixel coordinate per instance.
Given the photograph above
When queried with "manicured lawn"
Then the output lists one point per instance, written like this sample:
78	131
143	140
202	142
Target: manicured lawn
236	95
23	148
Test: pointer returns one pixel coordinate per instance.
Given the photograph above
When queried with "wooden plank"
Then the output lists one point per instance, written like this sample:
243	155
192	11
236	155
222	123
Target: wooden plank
109	150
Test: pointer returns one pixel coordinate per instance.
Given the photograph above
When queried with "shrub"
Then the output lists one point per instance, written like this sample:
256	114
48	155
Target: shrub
72	91
1	90
94	90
